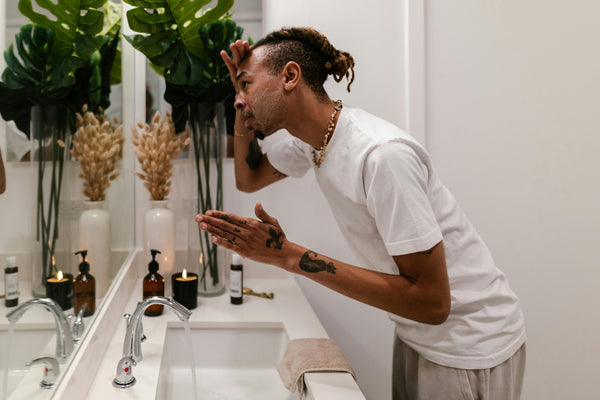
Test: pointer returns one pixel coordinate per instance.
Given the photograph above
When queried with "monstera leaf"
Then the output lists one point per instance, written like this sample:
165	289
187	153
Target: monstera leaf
211	79
160	17
31	69
77	22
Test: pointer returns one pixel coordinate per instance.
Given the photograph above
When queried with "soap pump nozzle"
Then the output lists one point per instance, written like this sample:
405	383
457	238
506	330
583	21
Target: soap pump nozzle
84	266
153	265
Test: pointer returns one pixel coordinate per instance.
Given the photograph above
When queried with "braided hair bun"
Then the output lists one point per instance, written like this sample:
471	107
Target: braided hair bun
312	51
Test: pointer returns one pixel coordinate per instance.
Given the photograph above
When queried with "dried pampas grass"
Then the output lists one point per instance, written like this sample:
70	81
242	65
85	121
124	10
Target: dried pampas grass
98	145
155	147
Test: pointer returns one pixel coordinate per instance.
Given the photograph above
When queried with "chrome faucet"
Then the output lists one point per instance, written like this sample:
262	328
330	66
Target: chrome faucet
132	348
64	338
51	370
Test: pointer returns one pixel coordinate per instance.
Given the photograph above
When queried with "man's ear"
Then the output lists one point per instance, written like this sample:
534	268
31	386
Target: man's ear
291	75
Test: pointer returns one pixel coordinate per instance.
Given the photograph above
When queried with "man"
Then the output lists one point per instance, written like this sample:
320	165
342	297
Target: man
459	329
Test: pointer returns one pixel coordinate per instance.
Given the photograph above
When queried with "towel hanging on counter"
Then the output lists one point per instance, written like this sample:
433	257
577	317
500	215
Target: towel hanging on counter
310	355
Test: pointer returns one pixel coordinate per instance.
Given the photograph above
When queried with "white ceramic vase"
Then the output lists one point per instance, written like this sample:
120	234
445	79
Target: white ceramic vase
94	236
159	234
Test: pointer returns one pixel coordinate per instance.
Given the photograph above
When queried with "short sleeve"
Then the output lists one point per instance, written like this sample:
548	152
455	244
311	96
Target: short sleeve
396	188
288	154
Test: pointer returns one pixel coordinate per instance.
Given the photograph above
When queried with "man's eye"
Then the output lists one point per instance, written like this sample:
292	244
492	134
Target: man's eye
244	84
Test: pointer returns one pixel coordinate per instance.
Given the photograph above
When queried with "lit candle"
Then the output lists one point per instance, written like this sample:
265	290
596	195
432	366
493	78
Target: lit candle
185	288
59	288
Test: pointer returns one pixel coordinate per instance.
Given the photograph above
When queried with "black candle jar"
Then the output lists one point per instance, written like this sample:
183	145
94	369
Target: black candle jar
59	288
185	289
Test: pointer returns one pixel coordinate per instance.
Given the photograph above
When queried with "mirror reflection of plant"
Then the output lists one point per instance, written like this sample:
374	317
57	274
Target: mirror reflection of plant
58	64
64	61
183	44
98	145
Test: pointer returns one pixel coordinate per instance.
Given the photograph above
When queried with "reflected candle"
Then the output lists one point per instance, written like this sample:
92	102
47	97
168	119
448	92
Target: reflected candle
59	288
185	289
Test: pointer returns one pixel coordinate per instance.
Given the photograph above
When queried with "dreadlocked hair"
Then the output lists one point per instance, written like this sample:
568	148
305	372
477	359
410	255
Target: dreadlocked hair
312	51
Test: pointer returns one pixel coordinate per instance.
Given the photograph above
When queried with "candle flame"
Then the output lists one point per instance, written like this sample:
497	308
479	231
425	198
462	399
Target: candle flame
200	258
59	275
184	274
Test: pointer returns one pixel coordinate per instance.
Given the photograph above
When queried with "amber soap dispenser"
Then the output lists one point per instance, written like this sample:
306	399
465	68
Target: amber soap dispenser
154	285
84	288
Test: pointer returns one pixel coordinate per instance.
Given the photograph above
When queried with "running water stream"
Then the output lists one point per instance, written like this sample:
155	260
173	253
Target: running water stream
7	355
188	335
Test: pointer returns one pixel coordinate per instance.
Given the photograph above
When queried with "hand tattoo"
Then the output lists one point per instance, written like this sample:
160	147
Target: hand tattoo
276	239
313	265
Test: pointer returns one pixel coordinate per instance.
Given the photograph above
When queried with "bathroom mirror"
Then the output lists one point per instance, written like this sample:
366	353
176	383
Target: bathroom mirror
18	236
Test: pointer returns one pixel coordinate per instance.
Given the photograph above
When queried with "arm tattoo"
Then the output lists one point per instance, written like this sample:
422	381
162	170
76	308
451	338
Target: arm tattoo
314	265
254	154
276	239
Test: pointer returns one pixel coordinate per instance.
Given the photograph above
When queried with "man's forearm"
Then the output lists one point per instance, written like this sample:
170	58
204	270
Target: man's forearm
422	300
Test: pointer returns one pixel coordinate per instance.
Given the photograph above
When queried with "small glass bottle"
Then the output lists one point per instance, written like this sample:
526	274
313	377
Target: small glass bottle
11	282
84	288
154	285
236	279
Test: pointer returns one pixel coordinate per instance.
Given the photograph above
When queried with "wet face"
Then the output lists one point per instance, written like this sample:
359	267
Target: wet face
260	97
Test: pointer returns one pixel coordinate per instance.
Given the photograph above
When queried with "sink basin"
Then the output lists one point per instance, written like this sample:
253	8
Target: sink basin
29	341
232	361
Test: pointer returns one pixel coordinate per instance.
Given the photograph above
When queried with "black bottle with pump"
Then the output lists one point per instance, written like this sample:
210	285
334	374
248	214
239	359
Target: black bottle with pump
154	285
84	288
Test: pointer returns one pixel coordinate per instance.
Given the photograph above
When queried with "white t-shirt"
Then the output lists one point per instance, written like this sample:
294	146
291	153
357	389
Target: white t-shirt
388	200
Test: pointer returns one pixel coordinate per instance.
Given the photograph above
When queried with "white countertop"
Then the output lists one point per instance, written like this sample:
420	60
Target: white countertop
296	316
289	309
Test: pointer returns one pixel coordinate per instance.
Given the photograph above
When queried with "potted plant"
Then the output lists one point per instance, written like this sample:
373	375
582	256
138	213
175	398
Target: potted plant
58	65
183	44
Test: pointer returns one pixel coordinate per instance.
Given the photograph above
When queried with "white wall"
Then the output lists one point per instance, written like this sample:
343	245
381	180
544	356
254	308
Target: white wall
512	116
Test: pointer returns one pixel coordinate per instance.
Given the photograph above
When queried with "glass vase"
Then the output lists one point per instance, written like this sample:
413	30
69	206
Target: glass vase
207	125
51	130
205	259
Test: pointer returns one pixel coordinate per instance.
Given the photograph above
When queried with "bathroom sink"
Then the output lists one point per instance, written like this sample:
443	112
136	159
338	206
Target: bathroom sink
231	360
28	342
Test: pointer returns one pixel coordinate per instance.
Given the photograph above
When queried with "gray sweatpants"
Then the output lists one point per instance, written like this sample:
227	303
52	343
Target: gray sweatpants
415	378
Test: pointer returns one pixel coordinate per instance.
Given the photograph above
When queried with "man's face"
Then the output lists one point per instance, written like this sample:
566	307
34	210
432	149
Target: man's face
260	96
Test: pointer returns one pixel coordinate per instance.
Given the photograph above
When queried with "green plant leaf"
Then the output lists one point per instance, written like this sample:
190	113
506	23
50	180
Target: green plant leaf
73	17
30	69
154	17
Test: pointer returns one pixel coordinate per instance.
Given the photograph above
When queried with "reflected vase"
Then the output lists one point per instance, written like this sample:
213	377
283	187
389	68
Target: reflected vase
159	234
207	126
205	259
94	236
51	131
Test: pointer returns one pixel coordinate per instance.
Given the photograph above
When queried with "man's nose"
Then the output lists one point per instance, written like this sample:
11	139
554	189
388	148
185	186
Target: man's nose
239	102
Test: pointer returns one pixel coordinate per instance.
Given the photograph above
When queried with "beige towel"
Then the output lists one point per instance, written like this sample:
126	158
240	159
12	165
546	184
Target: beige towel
310	355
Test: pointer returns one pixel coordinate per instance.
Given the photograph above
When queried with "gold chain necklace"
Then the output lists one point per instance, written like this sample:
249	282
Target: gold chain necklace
318	159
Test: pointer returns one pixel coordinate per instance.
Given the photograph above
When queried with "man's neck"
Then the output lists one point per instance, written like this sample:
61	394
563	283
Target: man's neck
309	119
